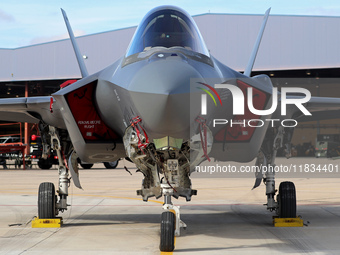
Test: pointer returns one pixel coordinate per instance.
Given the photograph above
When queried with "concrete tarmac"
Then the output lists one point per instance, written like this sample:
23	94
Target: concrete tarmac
226	217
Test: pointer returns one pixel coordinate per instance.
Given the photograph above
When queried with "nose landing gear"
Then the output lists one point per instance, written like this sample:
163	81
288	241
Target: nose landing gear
171	222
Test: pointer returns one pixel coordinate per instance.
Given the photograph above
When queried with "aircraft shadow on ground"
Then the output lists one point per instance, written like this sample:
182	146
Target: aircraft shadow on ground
225	222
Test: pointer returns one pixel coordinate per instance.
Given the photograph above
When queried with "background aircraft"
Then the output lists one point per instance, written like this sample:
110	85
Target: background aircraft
147	107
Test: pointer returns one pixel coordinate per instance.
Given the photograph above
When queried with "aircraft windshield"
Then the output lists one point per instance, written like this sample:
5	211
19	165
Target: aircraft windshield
167	28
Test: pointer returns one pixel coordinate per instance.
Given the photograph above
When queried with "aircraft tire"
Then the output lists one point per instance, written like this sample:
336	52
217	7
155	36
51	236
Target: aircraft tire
44	164
287	200
86	166
46	201
167	232
111	165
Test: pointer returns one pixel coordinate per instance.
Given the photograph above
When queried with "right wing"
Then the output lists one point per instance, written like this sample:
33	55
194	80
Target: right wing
31	110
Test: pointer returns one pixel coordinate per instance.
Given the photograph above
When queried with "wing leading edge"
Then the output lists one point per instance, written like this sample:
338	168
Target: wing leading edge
32	110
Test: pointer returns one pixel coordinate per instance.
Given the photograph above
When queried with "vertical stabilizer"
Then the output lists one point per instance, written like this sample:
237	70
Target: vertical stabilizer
251	61
80	59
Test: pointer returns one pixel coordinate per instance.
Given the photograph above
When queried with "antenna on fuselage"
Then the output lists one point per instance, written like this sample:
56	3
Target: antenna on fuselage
251	61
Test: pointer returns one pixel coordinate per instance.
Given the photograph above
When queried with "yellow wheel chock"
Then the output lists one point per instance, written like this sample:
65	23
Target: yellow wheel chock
287	222
47	223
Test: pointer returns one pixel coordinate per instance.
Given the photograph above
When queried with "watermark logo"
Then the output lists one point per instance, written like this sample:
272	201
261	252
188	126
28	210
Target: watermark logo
239	100
204	97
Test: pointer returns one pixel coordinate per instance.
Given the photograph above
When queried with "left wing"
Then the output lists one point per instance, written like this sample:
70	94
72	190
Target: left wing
321	108
32	110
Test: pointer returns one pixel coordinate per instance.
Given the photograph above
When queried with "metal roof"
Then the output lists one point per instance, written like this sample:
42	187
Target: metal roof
289	42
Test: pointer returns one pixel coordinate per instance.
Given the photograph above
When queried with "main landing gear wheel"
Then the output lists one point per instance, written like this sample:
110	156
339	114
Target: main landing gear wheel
46	201
111	165
287	200
167	232
44	164
86	166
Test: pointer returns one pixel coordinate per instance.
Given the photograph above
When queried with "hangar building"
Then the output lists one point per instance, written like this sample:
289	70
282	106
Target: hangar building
305	48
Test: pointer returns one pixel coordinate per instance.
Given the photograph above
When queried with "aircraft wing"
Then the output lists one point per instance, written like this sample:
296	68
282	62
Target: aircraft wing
321	108
32	110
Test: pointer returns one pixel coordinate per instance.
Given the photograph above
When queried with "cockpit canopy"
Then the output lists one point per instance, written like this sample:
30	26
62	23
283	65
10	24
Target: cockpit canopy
167	27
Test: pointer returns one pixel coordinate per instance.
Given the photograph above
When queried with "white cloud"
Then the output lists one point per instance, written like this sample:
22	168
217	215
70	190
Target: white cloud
6	17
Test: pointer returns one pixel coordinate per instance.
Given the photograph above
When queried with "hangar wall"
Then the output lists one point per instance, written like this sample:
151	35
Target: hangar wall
289	42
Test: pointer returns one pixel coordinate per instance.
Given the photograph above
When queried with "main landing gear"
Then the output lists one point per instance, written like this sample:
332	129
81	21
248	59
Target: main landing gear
48	206
285	204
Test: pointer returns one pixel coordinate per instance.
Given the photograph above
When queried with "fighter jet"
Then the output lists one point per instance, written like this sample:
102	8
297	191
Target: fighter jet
167	105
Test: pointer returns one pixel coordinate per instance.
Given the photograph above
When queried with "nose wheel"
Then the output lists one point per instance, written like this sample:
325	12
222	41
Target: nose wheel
171	222
167	231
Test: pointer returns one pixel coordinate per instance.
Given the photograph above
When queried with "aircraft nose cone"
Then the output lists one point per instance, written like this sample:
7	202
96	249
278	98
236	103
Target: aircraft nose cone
161	94
169	76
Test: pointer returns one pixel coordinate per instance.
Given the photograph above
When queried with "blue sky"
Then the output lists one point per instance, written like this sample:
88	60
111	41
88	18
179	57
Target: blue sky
25	22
